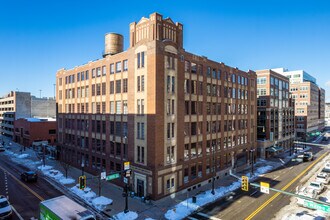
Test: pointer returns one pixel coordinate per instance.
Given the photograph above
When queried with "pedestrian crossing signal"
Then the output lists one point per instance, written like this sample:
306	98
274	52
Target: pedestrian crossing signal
82	182
245	183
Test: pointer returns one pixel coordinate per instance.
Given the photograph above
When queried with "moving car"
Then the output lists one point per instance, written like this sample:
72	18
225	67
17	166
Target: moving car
29	176
319	187
308	156
323	178
5	208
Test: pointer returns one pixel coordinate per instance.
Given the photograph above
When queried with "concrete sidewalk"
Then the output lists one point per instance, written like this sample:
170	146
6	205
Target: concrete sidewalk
156	209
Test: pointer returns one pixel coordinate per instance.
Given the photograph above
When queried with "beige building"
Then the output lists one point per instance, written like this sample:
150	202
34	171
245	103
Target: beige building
179	118
309	103
17	105
275	117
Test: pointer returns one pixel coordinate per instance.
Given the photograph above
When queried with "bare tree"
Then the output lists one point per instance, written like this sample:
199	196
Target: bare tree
65	162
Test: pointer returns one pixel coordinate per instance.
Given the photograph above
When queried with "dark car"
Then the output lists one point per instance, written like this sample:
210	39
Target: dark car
308	156
29	176
325	170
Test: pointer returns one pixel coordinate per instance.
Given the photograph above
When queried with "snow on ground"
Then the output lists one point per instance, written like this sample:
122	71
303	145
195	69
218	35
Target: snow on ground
295	212
126	216
101	202
186	207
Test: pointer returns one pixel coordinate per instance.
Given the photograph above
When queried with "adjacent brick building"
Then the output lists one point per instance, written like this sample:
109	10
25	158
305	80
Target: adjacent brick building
29	130
275	116
17	105
309	103
179	118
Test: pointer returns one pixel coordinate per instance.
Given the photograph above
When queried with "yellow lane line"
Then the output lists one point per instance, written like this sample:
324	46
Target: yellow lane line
24	185
284	188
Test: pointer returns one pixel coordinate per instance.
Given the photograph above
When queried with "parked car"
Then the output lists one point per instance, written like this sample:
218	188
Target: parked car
5	208
308	156
323	178
2	148
29	176
319	187
308	192
327	165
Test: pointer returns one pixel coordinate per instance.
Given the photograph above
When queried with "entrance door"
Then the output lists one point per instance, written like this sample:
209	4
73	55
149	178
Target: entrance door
140	187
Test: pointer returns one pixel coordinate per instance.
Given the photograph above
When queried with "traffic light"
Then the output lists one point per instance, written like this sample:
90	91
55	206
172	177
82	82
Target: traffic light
82	182
245	183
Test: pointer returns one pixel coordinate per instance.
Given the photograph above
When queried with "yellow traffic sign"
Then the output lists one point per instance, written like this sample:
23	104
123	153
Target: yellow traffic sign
264	187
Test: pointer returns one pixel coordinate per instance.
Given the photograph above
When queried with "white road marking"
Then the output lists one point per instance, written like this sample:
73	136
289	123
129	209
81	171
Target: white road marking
18	215
276	177
207	216
191	218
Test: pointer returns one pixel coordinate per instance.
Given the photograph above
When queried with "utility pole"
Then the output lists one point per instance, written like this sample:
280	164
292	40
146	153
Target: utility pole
82	165
40	92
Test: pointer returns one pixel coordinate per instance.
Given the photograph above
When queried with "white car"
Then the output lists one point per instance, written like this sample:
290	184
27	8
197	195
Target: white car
327	165
5	208
322	178
319	187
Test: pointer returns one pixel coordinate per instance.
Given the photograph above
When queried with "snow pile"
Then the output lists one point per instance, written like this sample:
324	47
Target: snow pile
186	207
89	196
44	168
66	181
126	216
101	203
22	156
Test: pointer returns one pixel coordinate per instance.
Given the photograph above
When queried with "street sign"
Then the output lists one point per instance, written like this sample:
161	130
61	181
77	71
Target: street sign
264	187
125	180
126	165
103	175
113	176
128	173
314	205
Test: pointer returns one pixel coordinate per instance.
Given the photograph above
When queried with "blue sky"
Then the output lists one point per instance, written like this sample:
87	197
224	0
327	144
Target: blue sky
39	37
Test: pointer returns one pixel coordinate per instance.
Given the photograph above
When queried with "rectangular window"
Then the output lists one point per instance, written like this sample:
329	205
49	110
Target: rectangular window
112	68
125	65
142	106
104	88
142	83
93	73
173	84
118	67
87	74
112	87
112	107
125	108
98	71
118	107
138	84
98	89
104	70
125	85
142	59
118	86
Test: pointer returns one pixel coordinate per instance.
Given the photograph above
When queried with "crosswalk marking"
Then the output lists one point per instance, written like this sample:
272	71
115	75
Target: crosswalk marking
207	216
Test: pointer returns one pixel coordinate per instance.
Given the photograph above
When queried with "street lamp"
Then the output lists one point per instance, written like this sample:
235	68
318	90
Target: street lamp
252	160
213	163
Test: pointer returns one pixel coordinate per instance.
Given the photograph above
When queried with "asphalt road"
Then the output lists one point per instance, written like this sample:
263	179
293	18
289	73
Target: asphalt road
241	205
24	197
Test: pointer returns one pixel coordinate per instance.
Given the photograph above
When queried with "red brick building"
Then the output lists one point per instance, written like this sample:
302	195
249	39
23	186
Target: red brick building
181	119
28	130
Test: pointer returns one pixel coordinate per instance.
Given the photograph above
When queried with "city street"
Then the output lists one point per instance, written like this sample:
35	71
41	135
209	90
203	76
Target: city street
24	197
256	205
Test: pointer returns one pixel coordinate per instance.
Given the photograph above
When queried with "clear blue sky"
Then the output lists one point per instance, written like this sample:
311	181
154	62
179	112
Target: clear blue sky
39	37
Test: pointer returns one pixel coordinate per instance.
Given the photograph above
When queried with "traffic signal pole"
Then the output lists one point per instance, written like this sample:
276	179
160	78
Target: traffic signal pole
281	191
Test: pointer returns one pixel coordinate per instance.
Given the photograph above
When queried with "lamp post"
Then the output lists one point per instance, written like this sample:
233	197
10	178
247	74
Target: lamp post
252	160
213	164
